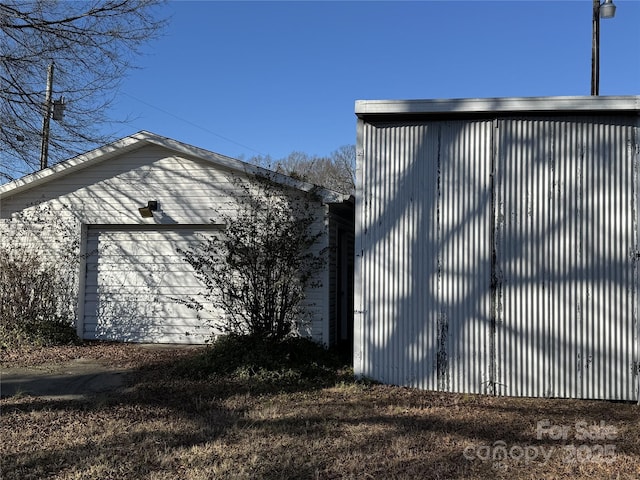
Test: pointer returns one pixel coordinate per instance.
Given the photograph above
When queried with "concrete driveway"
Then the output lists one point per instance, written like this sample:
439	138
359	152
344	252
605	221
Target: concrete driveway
75	379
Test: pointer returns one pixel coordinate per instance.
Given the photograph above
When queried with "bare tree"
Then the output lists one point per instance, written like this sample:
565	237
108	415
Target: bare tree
344	162
92	44
336	172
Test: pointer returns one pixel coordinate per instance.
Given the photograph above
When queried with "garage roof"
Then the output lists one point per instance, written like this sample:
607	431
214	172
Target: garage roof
143	138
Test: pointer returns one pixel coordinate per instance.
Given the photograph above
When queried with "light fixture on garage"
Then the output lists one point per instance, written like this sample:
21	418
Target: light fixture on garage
147	212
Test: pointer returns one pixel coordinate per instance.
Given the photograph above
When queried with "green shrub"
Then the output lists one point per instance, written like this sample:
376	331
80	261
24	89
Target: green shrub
291	361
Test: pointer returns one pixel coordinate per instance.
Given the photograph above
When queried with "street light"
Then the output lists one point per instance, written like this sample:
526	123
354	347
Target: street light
604	10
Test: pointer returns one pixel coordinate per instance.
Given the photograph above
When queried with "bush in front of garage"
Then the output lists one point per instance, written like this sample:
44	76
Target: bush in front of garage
35	306
289	362
259	269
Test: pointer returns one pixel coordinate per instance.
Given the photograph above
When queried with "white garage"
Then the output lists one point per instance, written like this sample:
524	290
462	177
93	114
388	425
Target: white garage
90	215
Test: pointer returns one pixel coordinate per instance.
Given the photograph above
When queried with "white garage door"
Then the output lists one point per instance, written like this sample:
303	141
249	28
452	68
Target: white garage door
134	282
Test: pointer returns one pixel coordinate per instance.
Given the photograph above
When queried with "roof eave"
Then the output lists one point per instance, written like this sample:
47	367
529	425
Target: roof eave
327	196
366	108
71	165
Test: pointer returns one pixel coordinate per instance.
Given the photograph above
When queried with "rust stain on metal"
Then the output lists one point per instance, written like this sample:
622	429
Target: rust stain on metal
442	358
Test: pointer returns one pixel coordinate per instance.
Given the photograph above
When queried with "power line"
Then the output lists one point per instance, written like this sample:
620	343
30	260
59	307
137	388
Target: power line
204	129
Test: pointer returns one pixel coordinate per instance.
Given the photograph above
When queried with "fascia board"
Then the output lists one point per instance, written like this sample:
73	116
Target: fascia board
364	108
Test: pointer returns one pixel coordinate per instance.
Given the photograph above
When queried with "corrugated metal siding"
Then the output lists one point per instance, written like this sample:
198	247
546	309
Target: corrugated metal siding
498	256
565	190
425	302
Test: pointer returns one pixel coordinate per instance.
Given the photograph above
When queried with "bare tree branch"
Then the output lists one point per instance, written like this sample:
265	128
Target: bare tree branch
336	172
93	44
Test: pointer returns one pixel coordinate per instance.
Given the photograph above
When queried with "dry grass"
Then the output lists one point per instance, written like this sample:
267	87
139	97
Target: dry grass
161	427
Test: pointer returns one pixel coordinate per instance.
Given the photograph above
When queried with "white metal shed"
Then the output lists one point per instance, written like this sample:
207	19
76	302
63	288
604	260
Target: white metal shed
125	268
497	245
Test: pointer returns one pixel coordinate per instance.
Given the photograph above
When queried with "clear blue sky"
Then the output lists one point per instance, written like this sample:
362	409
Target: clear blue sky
246	78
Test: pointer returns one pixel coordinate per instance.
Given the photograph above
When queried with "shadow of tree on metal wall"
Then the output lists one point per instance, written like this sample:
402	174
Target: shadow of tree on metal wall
423	324
452	307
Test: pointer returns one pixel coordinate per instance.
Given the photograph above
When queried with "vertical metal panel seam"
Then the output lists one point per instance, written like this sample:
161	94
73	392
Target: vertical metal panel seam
495	282
359	262
634	147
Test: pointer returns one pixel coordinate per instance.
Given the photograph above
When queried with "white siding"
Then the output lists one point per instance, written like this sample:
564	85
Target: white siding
135	280
191	192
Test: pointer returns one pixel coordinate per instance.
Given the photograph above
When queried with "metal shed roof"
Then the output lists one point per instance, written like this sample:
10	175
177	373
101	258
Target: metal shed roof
374	108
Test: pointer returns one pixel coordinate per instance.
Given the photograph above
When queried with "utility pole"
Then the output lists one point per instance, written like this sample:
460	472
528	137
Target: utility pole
44	149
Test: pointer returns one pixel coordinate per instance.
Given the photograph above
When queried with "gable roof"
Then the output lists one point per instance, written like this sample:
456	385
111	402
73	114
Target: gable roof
142	138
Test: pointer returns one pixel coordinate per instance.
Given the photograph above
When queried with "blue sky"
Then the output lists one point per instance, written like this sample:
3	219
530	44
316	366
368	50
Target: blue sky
268	78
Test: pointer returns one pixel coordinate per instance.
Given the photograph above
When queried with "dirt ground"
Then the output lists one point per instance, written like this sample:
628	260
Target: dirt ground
162	426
